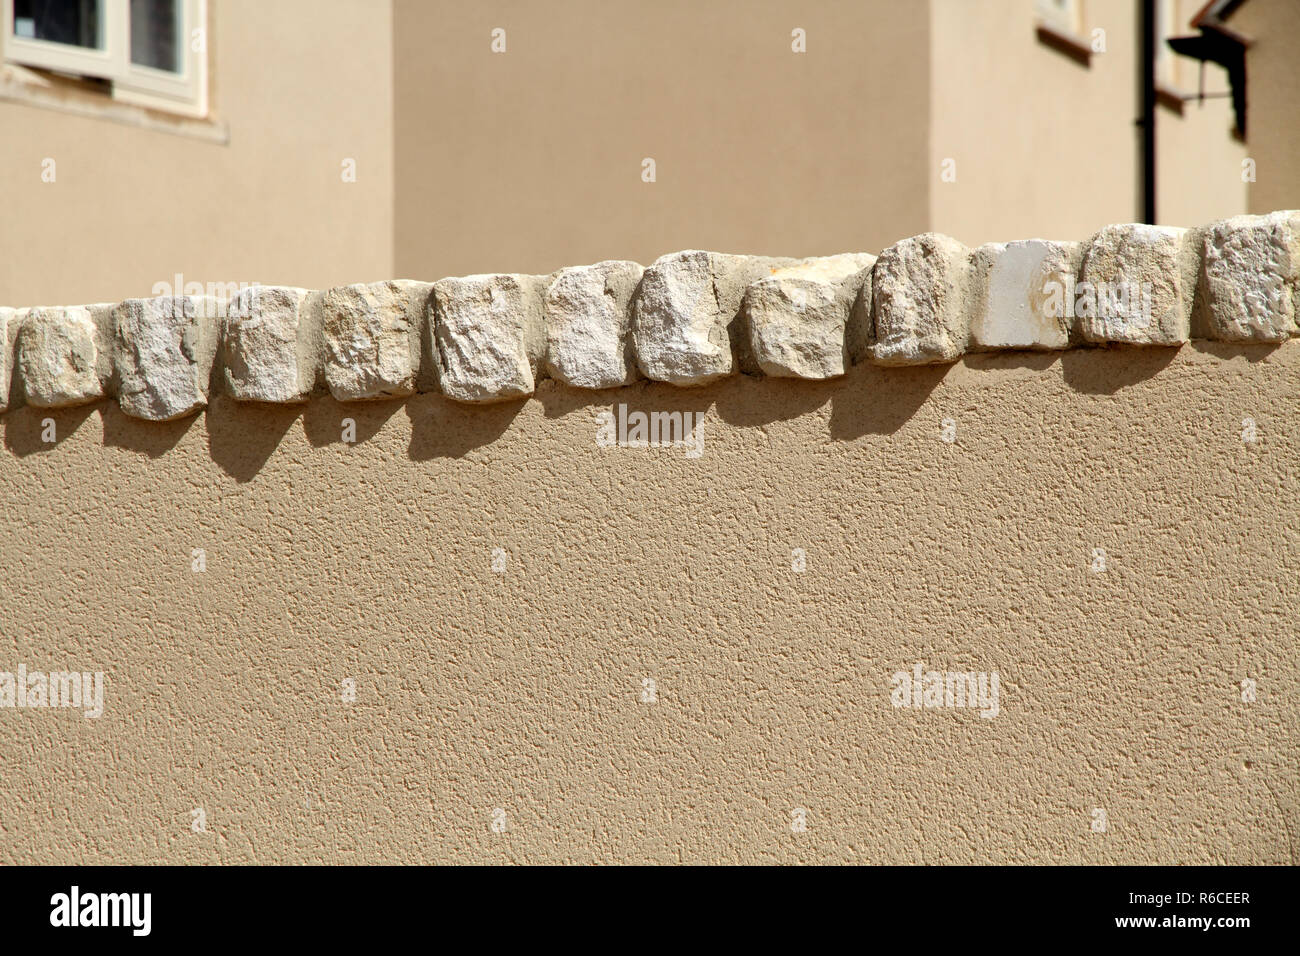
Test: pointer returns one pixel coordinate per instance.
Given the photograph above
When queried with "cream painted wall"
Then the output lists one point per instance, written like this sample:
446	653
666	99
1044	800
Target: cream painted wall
531	160
299	90
1273	96
522	690
1198	160
471	161
1047	147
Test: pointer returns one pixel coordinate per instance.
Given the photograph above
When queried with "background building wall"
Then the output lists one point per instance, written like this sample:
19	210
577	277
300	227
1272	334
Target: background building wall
531	159
1272	91
1198	159
1045	146
522	691
299	91
471	161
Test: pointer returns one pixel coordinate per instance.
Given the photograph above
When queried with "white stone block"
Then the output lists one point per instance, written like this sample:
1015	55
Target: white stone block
1022	294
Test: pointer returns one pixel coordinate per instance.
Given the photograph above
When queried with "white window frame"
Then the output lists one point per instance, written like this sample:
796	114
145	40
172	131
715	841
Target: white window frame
184	92
1064	16
109	61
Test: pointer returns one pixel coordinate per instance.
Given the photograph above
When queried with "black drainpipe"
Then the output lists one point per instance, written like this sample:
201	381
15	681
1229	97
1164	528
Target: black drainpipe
1147	66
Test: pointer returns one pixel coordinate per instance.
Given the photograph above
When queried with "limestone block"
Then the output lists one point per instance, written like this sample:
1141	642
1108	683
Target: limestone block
919	309
1022	294
103	317
684	317
797	315
262	356
9	325
163	352
58	356
1134	286
371	338
489	335
588	317
1250	269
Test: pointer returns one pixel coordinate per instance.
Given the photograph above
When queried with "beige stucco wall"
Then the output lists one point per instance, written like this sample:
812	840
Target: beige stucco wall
531	159
1198	159
1045	146
1273	90
299	92
476	691
471	161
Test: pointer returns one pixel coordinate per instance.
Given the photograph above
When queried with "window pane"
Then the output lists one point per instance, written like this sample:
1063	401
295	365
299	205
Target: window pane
74	22
156	34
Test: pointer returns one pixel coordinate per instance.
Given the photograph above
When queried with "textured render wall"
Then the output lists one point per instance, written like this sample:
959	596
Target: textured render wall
300	85
949	514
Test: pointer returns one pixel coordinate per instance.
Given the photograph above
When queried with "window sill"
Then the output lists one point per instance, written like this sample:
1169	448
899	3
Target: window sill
1170	97
1062	42
20	84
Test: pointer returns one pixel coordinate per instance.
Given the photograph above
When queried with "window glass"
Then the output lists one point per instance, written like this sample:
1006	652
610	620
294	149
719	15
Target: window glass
72	22
155	34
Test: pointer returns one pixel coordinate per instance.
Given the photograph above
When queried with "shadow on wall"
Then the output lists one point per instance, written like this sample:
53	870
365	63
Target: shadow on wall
242	436
26	432
1098	371
869	400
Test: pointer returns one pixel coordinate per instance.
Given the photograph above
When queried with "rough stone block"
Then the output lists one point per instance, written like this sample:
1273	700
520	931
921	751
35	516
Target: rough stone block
163	352
9	324
686	314
1250	270
1022	294
489	335
588	317
797	316
263	356
103	316
371	338
1134	286
58	356
919	308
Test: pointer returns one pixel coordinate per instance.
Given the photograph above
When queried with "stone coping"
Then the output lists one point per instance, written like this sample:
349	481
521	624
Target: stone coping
689	319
